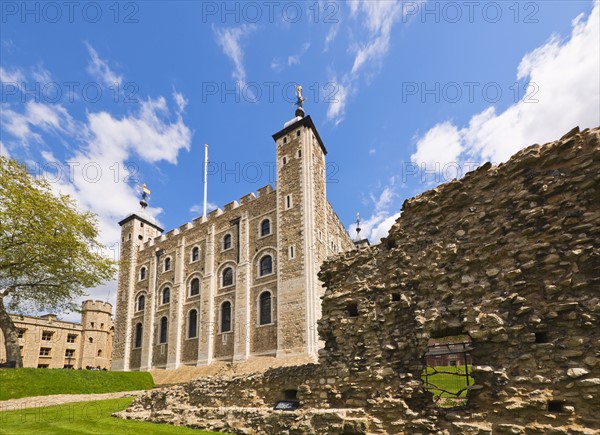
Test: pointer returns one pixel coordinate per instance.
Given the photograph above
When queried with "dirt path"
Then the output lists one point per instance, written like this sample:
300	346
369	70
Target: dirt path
59	399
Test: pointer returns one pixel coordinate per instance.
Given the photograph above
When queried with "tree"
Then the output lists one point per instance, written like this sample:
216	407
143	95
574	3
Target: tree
49	250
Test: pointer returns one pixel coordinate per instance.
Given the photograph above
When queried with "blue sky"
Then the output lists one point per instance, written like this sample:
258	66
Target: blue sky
406	95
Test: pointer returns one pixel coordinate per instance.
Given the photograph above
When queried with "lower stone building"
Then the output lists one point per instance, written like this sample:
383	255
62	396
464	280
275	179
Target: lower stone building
508	258
47	342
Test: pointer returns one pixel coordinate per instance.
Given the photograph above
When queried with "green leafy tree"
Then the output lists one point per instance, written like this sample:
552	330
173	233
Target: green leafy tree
49	250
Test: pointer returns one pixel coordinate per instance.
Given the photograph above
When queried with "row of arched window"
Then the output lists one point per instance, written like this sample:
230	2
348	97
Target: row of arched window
265	317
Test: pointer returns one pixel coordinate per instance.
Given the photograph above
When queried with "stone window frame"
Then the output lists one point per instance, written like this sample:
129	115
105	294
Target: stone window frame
288	202
71	338
187	323
223	249
143	273
260	228
167	261
231	265
46	334
99	353
188	286
137	301
138	335
258	256
165	286
220	314
160	330
284	161
260	273
197	249
292	252
69	353
258	308
21	333
45	351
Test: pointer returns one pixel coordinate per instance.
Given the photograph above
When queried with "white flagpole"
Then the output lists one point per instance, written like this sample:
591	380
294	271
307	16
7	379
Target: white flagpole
205	176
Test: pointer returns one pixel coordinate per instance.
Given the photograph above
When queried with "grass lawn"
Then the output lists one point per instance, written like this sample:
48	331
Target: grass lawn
446	381
83	418
16	383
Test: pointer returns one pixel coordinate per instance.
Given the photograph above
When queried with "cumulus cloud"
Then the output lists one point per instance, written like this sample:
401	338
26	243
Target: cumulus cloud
561	71
230	40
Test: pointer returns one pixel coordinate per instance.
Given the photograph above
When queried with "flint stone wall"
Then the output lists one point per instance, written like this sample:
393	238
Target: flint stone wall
509	255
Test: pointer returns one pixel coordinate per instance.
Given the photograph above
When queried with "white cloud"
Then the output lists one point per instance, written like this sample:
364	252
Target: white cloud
99	69
278	65
199	208
381	220
377	18
180	100
14	76
372	151
230	41
567	95
336	109
331	35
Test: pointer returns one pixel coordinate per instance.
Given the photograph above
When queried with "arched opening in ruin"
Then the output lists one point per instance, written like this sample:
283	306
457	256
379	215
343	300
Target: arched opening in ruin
447	368
290	394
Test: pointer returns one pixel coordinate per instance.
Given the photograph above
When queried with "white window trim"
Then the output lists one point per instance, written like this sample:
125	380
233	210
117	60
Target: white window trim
221	286
189	287
192	254
292	252
187	322
258	275
137	298
230	313
160	295
145	273
285	205
271	323
164	268
270	233
223	242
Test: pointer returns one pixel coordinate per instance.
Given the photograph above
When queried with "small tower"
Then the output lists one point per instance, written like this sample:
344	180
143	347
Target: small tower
302	228
136	229
96	334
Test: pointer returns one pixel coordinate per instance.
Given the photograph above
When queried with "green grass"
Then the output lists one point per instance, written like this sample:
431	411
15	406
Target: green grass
446	381
16	383
83	418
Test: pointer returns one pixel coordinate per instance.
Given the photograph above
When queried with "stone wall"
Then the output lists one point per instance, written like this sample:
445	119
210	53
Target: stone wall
509	255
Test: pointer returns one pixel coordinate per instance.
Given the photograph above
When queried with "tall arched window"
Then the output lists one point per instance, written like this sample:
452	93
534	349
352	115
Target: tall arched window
141	302
164	330
167	264
142	273
266	265
264	308
265	227
99	352
195	287
195	254
227	277
166	296
139	329
226	316
226	242
193	324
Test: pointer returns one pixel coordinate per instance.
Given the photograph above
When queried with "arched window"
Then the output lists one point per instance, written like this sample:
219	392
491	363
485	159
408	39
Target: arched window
265	227
166	296
226	316
99	352
195	287
227	277
164	329
266	265
91	340
226	242
142	273
264	307
138	335
141	302
193	324
167	264
195	254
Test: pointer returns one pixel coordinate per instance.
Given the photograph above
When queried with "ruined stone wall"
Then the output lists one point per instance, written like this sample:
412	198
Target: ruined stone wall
509	255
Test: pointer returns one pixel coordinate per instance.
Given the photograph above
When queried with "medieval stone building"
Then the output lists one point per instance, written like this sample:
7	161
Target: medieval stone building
47	342
241	281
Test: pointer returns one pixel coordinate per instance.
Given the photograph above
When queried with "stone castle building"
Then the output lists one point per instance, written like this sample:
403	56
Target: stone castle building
47	342
239	282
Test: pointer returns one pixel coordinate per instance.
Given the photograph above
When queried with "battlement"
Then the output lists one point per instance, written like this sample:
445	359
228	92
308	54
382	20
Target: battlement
201	220
91	305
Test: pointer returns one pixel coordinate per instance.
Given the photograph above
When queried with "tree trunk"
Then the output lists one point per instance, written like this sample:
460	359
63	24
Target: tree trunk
11	337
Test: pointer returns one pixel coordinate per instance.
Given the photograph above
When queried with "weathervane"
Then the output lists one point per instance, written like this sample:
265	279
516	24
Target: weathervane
145	195
299	102
358	228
